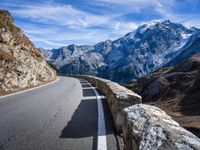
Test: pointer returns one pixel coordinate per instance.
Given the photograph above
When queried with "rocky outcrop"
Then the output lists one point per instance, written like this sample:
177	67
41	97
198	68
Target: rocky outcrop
150	128
143	127
21	64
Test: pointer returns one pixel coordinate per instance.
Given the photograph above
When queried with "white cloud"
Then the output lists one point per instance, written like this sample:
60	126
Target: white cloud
133	25
57	25
56	37
117	26
65	24
187	19
122	28
65	15
132	5
37	39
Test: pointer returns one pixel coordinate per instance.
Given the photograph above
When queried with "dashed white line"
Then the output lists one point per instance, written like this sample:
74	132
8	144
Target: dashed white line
87	88
92	97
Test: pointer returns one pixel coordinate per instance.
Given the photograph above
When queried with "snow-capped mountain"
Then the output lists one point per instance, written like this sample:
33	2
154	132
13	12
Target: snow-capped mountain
136	54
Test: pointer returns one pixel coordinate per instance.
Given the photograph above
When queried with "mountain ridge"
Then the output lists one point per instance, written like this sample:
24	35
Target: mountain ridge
132	56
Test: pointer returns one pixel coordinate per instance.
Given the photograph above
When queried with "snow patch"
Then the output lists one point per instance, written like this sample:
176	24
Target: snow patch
185	35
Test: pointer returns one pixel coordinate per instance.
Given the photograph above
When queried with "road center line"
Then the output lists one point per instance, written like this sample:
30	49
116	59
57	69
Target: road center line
101	139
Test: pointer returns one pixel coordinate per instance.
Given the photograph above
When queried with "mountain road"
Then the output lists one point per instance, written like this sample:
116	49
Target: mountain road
63	115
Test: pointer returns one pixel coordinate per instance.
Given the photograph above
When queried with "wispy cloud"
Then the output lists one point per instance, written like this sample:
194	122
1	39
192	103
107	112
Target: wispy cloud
64	15
188	18
57	23
132	5
64	23
121	28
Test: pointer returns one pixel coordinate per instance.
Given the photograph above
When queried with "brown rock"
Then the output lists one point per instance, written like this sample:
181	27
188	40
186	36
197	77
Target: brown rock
21	64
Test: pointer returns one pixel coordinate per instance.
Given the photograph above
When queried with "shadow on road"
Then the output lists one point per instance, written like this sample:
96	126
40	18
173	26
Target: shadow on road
88	92
84	122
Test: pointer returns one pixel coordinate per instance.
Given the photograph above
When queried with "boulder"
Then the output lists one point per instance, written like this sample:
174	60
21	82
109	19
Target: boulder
150	128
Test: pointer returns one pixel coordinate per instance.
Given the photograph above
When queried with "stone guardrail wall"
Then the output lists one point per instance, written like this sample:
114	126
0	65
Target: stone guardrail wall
143	127
118	97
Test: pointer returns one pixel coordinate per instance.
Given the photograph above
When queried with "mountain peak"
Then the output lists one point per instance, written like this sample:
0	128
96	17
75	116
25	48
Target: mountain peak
71	47
108	41
156	23
161	22
137	53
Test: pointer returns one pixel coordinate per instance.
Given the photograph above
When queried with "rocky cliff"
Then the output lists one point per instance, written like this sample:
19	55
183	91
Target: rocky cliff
175	90
21	64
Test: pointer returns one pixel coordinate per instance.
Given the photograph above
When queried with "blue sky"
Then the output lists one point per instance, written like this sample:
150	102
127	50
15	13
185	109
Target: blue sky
55	23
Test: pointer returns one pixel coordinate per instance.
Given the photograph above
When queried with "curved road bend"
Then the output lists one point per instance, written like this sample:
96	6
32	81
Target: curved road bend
60	116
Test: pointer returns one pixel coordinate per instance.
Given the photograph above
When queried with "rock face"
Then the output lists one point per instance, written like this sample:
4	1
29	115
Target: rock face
150	128
21	64
136	54
175	90
191	48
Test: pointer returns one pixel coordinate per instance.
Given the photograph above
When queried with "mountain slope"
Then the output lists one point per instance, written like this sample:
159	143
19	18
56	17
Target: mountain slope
191	48
136	54
175	90
21	64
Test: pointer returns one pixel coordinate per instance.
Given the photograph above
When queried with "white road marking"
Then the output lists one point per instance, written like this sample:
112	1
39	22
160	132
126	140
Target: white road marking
101	139
30	89
92	97
85	88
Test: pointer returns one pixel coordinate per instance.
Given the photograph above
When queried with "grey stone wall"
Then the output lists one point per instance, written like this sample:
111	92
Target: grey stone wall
143	127
118	98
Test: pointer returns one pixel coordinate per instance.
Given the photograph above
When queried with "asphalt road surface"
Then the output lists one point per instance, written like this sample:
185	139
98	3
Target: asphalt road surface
62	115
